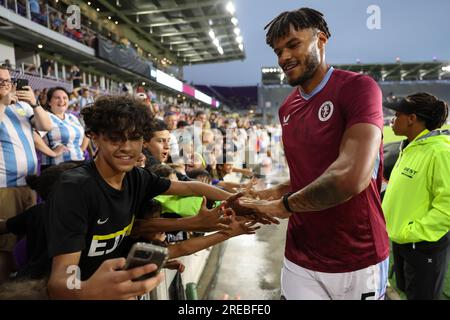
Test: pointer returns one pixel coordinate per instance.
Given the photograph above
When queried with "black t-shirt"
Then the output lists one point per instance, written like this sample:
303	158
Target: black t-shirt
88	215
31	224
76	81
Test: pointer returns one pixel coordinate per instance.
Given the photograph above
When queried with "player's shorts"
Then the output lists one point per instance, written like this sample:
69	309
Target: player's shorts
298	283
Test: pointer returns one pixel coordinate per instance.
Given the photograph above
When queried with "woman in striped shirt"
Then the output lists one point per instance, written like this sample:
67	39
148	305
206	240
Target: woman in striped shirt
66	141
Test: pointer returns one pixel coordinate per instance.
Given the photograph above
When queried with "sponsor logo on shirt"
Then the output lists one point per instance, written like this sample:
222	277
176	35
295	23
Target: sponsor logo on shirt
105	244
100	221
286	120
408	172
326	111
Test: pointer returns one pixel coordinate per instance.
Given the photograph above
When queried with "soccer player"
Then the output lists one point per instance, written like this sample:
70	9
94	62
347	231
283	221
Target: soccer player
337	245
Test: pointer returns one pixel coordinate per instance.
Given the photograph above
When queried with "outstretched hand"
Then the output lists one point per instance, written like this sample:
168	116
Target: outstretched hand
240	225
234	203
271	208
214	219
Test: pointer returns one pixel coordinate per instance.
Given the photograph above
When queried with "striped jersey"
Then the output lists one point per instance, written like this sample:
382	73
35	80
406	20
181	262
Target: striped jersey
84	102
68	132
17	152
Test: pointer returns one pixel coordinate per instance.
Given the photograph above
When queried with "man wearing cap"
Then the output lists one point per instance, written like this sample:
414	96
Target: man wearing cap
417	199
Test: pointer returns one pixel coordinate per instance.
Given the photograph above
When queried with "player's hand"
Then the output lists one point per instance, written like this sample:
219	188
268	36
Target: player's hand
234	203
271	208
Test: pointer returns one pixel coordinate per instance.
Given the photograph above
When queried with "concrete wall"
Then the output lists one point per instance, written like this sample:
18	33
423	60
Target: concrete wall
7	51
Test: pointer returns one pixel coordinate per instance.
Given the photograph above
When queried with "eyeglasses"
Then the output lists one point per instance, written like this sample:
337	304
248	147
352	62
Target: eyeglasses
5	82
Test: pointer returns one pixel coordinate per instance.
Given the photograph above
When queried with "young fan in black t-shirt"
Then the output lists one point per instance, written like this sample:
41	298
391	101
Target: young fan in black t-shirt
93	207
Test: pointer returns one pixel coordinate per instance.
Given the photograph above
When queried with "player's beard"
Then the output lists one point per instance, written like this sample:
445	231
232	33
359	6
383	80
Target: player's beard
310	63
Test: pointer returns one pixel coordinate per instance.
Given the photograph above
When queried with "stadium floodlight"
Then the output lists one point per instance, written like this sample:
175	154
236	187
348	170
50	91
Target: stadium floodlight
241	46
230	7
212	34
239	39
237	31
446	68
234	21
98	9
109	18
220	49
40	46
216	42
89	3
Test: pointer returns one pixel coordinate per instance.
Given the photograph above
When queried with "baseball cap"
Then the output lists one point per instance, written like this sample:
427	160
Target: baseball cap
407	107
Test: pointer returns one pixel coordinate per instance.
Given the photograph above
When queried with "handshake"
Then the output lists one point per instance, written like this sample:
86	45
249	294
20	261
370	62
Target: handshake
245	205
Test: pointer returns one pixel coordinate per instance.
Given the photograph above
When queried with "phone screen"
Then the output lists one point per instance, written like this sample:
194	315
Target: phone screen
21	83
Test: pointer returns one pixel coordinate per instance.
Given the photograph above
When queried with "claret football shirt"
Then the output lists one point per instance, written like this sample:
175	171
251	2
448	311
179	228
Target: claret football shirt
350	236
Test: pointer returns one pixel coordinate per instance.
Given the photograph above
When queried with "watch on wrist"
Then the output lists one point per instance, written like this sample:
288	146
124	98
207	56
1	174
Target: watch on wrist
286	201
36	105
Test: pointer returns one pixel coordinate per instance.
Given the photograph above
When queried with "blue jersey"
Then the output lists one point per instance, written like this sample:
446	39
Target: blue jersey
68	132
17	152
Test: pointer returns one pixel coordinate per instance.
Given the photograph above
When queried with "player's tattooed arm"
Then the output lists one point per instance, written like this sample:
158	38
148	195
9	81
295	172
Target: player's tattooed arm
322	194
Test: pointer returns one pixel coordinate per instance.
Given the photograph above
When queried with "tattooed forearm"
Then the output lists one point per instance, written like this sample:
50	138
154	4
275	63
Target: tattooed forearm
282	188
321	194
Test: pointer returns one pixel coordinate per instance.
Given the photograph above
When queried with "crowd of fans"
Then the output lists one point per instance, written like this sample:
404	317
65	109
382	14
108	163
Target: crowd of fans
184	144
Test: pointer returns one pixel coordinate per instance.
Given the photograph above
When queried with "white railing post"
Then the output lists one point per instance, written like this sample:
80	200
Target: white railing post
28	10
48	16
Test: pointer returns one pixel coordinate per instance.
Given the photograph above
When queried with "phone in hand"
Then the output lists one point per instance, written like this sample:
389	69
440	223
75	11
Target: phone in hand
143	253
21	83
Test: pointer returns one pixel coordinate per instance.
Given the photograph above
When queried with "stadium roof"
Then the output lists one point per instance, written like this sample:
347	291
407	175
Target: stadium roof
381	72
187	31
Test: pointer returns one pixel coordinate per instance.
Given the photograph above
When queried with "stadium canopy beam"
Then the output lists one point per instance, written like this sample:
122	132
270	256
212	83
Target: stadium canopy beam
415	69
192	5
392	70
435	69
233	57
178	21
194	40
174	23
223	45
154	43
204	29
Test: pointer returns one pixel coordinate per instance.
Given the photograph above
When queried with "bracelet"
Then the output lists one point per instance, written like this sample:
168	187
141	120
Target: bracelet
286	202
36	105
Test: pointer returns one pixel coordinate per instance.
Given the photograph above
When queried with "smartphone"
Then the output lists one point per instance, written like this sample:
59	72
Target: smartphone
21	83
143	253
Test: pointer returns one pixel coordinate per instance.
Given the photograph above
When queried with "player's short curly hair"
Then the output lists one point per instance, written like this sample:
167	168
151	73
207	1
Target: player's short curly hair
302	18
118	117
